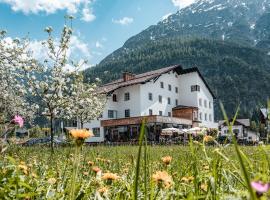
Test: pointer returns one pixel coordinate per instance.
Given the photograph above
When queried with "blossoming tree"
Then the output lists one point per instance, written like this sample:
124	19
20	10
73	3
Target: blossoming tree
88	101
13	55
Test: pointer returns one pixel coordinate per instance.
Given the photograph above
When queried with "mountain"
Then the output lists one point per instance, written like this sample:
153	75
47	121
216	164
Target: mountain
228	40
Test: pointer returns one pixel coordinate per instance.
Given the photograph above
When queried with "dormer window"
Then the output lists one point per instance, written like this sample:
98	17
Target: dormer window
195	88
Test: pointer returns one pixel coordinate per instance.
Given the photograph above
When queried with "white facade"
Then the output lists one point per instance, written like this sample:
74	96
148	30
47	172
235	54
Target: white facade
241	132
176	90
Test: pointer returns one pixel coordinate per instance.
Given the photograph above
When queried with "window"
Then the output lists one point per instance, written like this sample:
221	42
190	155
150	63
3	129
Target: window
150	96
112	114
210	117
169	114
160	113
200	102
114	97
160	98
200	116
150	112
96	132
210	104
195	88
176	102
176	89
205	103
205	117
195	115
127	96
169	100
169	87
127	113
161	84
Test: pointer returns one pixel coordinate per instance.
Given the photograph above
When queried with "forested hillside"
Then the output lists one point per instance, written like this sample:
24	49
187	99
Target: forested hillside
228	40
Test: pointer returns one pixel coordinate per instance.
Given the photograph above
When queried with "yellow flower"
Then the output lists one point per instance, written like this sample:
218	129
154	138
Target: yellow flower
109	176
187	179
162	178
204	187
91	163
85	173
51	181
166	160
208	138
103	190
24	168
206	167
81	133
34	175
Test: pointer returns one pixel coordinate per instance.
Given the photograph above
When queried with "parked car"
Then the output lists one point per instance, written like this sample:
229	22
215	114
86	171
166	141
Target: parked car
44	141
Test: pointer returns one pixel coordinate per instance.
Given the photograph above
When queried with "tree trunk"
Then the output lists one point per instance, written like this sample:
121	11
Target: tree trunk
81	124
52	133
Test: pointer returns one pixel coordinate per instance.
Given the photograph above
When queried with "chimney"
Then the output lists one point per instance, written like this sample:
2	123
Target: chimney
127	76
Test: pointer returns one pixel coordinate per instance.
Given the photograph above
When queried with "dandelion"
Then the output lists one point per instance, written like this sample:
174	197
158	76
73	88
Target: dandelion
204	187
162	178
85	173
34	175
96	169
51	181
81	133
166	160
91	163
208	138
24	168
187	179
110	176
206	167
103	190
260	187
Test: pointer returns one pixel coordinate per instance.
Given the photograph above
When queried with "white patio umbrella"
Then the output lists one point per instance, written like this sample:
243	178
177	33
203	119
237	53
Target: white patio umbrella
170	131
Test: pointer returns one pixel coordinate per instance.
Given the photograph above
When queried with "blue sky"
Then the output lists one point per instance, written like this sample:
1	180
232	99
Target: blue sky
101	26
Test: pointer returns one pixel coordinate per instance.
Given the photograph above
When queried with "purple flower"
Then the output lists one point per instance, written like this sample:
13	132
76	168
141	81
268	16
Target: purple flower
260	187
18	120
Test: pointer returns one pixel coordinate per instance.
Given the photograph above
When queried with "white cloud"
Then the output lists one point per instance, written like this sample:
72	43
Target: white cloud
98	44
166	16
88	15
52	6
47	6
182	3
123	21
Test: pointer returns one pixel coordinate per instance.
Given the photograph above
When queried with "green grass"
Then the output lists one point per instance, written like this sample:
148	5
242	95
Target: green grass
216	171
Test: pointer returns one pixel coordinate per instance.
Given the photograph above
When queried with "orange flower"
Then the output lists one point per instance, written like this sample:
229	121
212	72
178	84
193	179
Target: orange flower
208	138
204	187
91	163
187	179
103	190
162	178
81	133
96	169
110	176
166	160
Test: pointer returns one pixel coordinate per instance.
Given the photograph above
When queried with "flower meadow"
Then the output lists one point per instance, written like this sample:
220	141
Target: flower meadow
196	171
